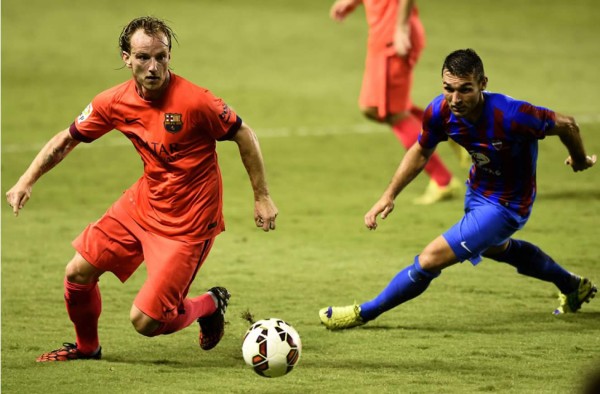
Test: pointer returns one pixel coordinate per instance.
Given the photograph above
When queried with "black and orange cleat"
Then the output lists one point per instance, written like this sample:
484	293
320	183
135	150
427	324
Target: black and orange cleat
68	352
212	327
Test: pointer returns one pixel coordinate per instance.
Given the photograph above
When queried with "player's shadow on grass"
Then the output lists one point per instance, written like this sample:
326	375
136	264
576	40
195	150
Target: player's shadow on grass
437	329
376	365
580	322
227	359
119	359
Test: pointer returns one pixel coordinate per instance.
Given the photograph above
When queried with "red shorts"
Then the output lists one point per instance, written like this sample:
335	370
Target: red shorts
116	243
388	78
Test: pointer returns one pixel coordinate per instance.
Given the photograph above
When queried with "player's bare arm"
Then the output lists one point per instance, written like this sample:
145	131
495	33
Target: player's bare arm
411	165
342	8
568	131
51	154
402	43
265	211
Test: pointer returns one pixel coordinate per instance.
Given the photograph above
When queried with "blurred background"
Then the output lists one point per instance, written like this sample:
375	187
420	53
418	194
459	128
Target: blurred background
294	76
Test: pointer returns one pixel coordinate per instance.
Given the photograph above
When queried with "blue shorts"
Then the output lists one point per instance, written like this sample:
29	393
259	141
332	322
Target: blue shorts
484	225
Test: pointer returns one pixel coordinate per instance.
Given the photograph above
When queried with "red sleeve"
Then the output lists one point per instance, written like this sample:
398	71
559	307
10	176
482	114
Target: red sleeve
217	118
93	122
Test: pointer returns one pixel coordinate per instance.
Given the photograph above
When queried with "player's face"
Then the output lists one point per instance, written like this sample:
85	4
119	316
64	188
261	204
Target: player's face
149	63
464	95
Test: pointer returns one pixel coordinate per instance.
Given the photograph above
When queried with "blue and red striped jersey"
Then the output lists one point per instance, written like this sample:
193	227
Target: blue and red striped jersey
503	144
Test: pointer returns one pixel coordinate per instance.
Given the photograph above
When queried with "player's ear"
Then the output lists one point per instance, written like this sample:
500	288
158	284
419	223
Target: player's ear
484	82
126	58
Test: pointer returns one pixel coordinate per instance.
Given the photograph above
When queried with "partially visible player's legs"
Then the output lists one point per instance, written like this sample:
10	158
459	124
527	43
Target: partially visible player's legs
406	126
212	327
530	260
207	309
193	308
443	185
84	305
407	129
417	112
464	157
409	283
406	285
162	306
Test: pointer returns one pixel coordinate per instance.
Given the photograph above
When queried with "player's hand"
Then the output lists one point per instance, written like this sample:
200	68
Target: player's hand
341	8
583	165
265	213
17	196
384	206
402	44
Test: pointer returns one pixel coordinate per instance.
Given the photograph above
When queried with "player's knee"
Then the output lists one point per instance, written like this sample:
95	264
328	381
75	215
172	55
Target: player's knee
394	118
437	255
144	329
143	323
78	270
428	265
371	113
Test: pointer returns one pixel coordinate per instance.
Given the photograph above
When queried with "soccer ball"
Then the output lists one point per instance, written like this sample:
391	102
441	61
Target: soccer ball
271	347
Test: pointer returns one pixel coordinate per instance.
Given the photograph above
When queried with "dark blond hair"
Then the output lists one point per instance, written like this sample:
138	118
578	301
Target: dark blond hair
152	26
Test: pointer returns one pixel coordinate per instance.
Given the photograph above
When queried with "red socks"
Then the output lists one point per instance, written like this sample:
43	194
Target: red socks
417	113
84	306
201	306
407	131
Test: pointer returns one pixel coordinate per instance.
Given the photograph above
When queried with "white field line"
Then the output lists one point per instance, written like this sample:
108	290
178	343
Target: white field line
281	132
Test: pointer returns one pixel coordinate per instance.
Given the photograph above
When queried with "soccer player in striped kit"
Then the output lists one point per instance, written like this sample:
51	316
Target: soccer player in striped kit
501	134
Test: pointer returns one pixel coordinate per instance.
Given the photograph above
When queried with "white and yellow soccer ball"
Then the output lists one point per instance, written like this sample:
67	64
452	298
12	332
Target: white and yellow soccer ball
271	347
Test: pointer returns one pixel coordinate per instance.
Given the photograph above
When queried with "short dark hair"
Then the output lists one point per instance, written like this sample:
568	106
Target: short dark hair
152	26
463	63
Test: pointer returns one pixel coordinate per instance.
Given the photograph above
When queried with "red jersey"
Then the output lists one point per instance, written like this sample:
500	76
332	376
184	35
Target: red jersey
180	193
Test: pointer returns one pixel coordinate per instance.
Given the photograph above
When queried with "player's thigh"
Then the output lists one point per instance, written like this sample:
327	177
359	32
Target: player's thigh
112	244
387	83
437	255
399	84
374	92
484	225
171	268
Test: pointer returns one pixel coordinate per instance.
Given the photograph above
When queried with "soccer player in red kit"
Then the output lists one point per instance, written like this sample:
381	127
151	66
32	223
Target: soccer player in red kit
395	41
170	217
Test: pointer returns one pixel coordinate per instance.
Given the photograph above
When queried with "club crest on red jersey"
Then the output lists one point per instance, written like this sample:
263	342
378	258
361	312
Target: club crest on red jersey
173	123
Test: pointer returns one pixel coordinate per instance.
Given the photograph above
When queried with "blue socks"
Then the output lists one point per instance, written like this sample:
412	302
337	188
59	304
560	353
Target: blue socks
529	260
413	280
406	285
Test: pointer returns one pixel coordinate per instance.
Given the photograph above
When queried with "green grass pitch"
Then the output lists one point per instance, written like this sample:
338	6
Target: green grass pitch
294	75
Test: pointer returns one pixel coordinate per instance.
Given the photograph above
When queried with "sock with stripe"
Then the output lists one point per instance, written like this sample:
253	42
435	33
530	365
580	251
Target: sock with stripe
406	285
530	260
